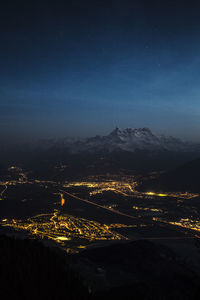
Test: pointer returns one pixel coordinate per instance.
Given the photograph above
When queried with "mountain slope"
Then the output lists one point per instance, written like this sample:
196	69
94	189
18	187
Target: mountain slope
183	178
129	139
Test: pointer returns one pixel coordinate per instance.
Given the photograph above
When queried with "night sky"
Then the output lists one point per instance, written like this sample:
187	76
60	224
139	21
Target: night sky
81	68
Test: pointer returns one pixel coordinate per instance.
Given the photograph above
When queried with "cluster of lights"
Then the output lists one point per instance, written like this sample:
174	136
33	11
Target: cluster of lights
185	223
188	223
62	228
174	195
121	187
147	209
126	188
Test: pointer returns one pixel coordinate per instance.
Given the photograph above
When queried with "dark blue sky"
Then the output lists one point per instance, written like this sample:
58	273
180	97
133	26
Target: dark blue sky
82	67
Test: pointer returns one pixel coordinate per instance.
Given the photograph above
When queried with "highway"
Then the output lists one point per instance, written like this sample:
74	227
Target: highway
98	205
132	217
1	198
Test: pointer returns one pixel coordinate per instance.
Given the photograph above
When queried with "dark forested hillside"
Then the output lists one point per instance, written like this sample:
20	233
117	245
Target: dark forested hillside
183	178
31	271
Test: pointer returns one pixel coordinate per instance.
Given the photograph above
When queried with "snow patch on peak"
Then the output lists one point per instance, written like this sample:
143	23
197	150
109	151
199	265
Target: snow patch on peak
128	139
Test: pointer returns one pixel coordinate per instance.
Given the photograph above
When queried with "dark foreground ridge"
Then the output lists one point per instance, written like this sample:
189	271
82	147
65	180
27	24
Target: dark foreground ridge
32	271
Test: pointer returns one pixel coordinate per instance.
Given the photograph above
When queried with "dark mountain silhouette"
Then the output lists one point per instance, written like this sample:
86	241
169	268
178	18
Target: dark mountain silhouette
183	178
30	270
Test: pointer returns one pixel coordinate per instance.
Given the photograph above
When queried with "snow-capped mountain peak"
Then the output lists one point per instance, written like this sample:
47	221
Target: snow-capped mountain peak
128	139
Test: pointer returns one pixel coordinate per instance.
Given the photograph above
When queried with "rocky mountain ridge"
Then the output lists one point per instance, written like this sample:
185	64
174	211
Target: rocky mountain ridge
129	139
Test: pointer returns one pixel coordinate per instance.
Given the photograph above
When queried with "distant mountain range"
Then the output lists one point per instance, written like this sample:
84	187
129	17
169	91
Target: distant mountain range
129	139
123	150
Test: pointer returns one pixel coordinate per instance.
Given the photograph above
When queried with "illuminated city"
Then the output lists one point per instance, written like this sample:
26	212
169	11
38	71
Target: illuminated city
71	231
63	228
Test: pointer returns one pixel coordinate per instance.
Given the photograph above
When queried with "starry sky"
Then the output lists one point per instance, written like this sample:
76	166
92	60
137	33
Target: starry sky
81	68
